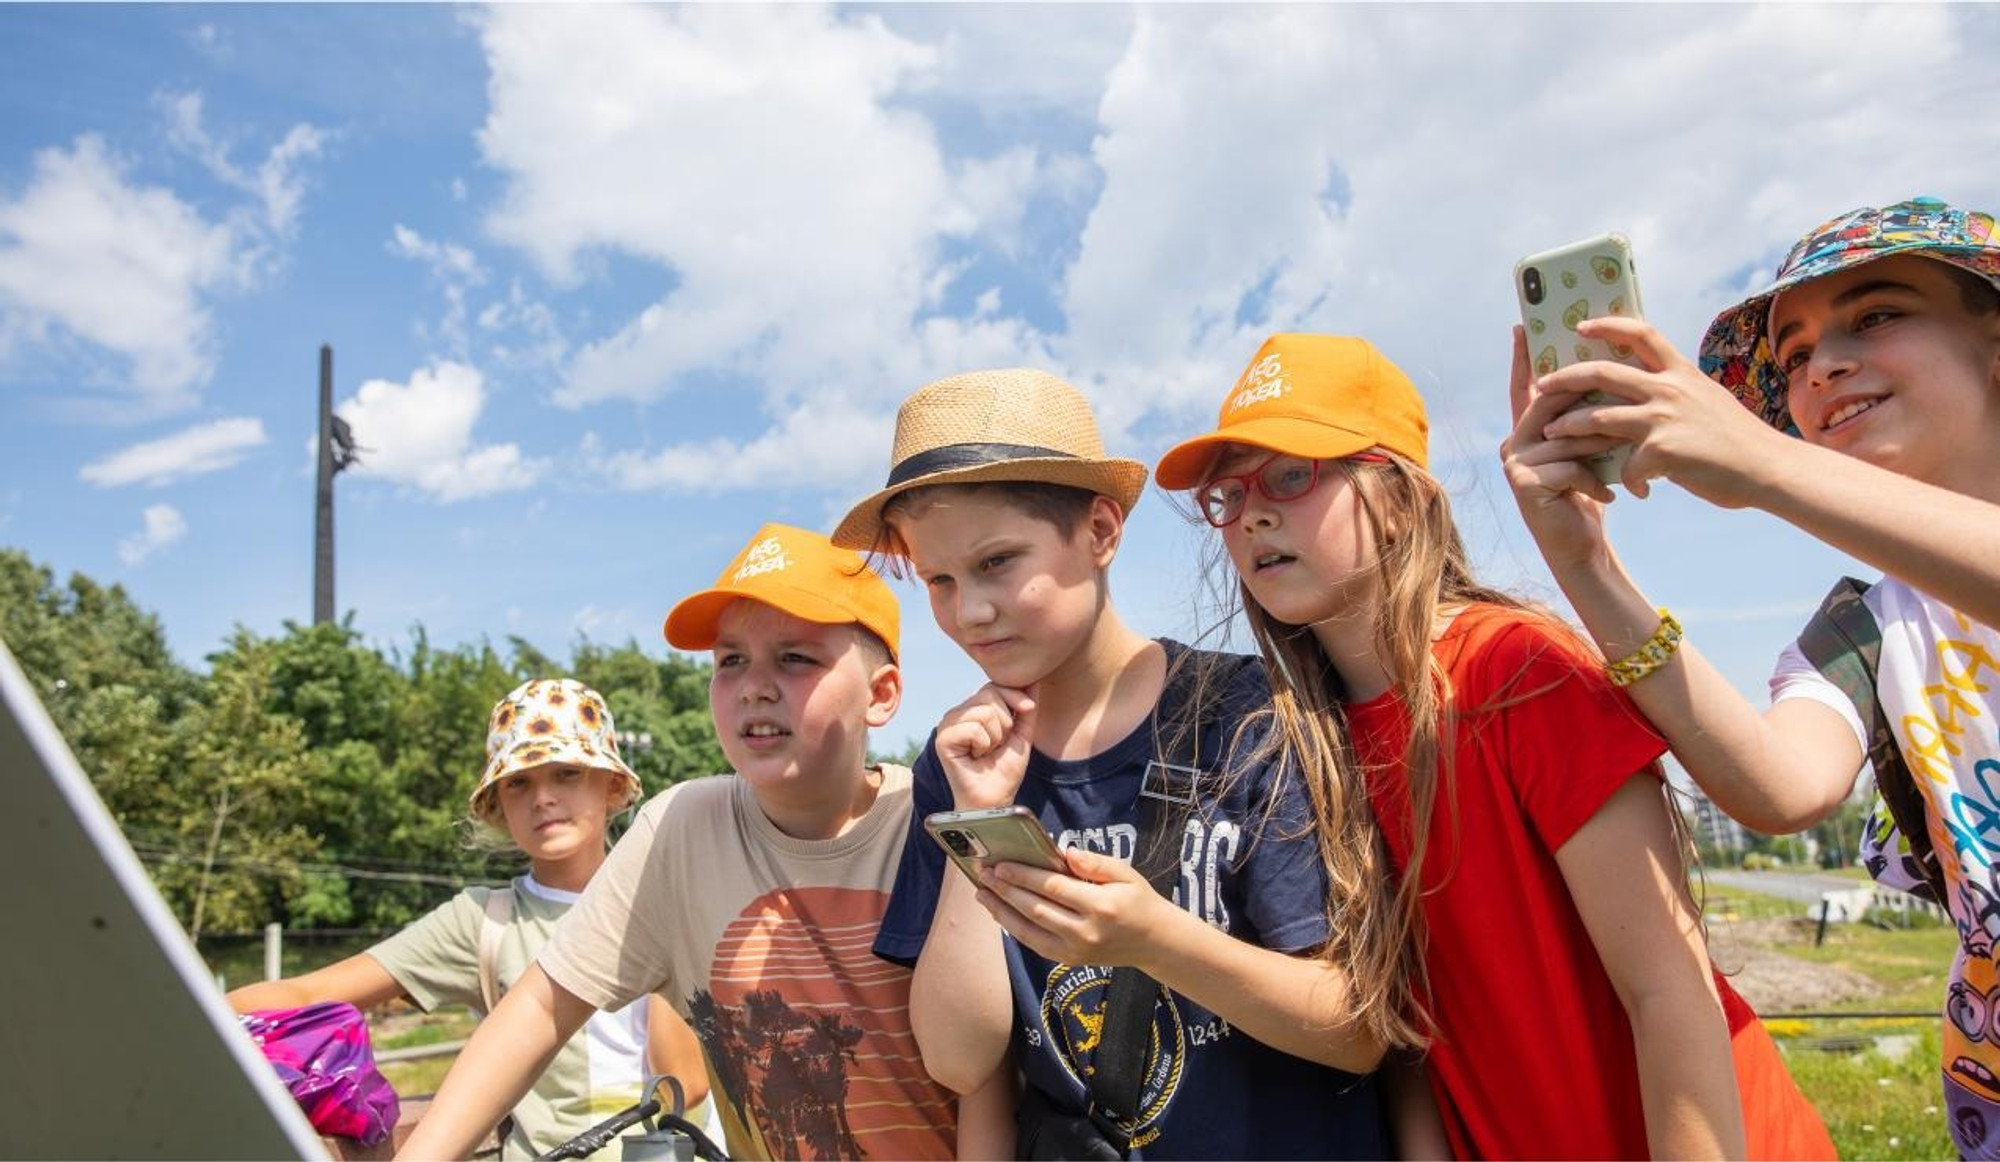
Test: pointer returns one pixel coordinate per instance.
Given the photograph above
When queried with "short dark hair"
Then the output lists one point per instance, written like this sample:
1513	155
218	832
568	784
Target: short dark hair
873	647
1063	507
1975	290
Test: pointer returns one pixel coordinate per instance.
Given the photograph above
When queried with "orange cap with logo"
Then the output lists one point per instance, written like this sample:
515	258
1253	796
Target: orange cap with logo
1319	396
798	572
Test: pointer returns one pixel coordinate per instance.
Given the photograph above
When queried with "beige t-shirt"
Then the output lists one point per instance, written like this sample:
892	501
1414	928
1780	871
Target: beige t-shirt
594	1075
762	942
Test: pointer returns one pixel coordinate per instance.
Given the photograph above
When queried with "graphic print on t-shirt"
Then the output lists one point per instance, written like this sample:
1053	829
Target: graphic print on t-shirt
807	1033
1073	1021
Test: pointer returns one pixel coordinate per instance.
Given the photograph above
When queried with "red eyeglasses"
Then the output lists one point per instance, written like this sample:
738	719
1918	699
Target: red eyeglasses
1279	477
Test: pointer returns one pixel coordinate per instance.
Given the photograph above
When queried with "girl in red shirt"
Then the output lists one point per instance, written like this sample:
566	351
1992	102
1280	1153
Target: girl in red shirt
1558	959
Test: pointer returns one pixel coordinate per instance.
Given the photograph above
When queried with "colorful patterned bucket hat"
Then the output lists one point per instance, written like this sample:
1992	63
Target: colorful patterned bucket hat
1736	352
550	720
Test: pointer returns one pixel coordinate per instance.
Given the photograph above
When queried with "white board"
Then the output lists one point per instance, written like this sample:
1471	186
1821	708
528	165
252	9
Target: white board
116	1042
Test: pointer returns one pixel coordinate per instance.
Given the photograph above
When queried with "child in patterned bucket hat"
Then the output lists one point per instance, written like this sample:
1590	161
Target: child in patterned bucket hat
1856	397
553	781
550	721
1736	352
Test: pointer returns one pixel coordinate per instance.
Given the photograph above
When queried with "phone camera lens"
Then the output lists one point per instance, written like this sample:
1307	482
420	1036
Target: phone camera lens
1531	285
957	841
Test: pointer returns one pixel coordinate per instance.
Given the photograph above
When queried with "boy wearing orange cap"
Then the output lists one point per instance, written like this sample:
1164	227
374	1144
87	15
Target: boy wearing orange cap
750	900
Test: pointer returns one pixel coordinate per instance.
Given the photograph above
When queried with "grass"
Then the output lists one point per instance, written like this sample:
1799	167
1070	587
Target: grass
447	1024
419	1077
1875	1107
1875	1104
1908	964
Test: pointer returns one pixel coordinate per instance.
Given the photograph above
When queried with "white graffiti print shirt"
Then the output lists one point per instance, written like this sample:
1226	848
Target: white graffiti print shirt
1939	683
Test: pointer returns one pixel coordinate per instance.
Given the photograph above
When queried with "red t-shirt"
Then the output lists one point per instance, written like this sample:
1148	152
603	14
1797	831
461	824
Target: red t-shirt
1533	1054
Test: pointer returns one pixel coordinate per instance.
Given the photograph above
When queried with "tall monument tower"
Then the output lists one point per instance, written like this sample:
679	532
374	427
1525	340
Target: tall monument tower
336	451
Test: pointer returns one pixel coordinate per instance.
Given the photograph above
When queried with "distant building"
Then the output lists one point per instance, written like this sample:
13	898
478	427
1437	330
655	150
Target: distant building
1714	830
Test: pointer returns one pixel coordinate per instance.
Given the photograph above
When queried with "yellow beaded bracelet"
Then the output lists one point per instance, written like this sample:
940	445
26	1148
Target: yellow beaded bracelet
1650	656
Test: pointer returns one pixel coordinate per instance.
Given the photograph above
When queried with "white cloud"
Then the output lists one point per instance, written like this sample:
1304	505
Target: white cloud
1376	170
88	255
203	448
94	262
1010	61
419	434
163	526
522	331
275	183
455	269
756	153
1357	169
448	261
822	441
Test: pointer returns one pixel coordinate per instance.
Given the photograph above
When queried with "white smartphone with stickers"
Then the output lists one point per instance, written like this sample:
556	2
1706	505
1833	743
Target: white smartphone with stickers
1560	288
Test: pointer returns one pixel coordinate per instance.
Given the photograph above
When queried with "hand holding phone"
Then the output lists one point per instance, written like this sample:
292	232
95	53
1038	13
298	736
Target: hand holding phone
995	835
1559	289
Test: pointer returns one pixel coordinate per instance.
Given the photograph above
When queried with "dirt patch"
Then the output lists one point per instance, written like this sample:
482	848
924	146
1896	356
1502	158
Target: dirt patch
1772	981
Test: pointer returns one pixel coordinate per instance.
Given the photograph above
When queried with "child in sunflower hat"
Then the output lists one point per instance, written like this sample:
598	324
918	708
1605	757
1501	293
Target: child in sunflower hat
749	899
553	782
1858	398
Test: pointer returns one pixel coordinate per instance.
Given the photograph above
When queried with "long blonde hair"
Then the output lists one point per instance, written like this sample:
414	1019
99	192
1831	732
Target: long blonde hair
1421	571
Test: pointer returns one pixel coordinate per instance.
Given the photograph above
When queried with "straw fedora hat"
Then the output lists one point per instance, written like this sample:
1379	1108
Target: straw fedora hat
1015	424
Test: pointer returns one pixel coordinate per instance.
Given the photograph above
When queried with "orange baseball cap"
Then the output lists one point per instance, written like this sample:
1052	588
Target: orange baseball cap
1321	396
799	572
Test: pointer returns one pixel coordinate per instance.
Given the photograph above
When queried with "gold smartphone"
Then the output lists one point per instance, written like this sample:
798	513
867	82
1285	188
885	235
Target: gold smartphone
995	835
1562	287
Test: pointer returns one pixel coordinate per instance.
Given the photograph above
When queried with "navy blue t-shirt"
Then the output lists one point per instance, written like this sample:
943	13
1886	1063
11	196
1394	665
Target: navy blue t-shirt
1250	865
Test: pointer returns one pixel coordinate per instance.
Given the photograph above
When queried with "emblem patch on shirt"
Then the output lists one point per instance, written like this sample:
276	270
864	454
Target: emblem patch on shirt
1073	1021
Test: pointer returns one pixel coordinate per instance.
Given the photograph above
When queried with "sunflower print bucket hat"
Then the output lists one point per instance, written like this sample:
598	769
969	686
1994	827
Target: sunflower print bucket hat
1736	352
550	720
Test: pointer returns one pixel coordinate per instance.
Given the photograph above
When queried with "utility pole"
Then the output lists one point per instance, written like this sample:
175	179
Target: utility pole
337	451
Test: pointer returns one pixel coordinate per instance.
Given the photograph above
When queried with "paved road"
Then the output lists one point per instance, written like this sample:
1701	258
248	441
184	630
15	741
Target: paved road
1805	887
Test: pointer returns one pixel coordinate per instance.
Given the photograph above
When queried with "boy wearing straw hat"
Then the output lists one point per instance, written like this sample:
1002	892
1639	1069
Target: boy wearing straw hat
1000	498
1878	348
749	900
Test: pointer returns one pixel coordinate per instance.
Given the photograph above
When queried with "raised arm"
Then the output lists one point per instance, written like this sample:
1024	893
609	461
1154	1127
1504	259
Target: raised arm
961	1005
1624	872
1687	428
360	980
1777	771
507	1052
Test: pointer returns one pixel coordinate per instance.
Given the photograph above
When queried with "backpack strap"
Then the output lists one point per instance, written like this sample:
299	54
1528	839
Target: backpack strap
1844	644
499	914
1167	793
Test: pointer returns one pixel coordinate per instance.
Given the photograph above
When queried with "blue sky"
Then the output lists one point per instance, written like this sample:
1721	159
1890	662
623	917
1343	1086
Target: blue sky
608	288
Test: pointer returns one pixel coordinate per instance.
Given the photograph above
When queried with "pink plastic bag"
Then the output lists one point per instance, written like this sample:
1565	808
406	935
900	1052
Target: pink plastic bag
322	1054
